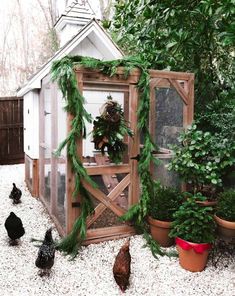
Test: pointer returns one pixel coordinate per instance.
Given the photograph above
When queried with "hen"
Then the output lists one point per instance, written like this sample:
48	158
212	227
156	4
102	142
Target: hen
122	267
15	194
14	227
46	254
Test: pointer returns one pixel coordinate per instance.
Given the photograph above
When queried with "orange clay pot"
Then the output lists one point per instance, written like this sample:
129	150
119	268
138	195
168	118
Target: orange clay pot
225	228
160	232
192	257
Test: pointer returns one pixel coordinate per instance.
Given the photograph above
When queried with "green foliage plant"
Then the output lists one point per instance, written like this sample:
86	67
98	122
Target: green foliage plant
225	208
193	223
164	203
202	159
194	36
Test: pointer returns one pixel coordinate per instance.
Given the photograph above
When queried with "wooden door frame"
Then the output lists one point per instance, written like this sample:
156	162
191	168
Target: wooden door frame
183	83
94	80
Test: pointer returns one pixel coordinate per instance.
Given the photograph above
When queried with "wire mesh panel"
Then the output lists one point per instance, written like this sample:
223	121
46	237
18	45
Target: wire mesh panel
169	117
171	112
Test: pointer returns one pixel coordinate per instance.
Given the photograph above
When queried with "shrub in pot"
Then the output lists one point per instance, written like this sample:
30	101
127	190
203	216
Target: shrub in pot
194	231
164	203
225	214
202	160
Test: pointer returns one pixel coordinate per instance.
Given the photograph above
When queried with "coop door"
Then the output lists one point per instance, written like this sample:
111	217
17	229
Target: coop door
114	194
170	114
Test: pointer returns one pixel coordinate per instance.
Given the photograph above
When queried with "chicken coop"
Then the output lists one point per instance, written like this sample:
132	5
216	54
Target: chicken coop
171	109
46	125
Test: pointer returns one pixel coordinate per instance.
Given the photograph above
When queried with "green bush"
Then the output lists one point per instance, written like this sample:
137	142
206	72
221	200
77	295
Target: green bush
203	159
226	205
193	223
165	203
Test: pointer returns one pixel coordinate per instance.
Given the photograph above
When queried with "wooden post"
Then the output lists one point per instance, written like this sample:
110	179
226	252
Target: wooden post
134	145
54	136
191	98
72	212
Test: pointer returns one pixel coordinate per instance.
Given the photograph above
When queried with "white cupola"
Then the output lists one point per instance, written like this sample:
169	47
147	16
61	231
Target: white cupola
75	16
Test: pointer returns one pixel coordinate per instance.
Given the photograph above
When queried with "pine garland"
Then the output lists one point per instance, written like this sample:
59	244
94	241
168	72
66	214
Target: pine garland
63	73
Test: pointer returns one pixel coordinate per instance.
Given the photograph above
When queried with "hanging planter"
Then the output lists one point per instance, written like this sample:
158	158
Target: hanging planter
109	130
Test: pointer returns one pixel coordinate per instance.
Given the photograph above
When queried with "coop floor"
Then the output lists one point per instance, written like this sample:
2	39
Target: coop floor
91	272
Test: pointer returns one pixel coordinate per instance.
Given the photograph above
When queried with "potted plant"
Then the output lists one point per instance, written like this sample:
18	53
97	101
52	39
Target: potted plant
202	160
194	232
225	214
164	203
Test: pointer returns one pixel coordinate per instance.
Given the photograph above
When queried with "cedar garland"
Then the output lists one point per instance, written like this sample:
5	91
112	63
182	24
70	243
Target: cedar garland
63	72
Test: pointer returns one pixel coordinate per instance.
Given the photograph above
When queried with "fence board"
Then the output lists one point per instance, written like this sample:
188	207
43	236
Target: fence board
11	130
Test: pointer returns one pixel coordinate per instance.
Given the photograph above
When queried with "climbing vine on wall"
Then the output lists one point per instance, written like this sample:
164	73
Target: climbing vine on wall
63	72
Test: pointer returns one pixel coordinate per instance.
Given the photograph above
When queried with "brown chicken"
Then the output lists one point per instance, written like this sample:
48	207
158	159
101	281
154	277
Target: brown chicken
122	267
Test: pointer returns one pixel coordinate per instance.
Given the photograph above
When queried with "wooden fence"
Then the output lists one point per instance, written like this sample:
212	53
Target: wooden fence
11	130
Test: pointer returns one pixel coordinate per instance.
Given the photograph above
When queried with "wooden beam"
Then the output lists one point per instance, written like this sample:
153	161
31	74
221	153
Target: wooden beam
180	90
134	145
191	99
72	212
107	169
116	231
169	74
112	196
103	198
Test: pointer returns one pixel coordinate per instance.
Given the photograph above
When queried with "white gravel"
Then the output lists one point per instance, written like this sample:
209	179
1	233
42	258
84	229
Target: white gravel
91	272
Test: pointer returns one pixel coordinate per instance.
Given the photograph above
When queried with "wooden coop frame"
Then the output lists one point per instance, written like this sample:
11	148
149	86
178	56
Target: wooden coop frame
88	79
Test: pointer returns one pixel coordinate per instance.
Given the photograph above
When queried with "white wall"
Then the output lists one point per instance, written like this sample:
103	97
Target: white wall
31	124
87	48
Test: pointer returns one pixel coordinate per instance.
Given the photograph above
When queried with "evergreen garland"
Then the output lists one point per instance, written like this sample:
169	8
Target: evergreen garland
63	73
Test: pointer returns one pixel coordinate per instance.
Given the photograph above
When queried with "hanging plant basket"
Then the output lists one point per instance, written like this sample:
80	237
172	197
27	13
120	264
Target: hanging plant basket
109	130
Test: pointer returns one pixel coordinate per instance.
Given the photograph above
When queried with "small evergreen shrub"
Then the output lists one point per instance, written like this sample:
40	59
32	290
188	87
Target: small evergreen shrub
193	223
164	203
226	205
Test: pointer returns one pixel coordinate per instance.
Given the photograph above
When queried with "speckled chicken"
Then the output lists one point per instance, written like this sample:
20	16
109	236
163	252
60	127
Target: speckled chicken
122	267
46	254
15	194
14	227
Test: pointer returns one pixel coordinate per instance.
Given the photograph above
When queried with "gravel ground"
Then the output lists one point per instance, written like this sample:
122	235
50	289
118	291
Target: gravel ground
91	272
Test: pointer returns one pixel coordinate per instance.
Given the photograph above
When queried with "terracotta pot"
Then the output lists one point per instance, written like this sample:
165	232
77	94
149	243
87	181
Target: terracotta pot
192	256
160	230
225	228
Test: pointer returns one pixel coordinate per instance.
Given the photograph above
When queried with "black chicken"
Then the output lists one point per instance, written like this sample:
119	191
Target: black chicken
15	194
46	254
122	267
14	227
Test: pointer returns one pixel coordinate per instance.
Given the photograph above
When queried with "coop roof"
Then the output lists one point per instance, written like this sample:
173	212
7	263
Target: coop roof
97	36
77	10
